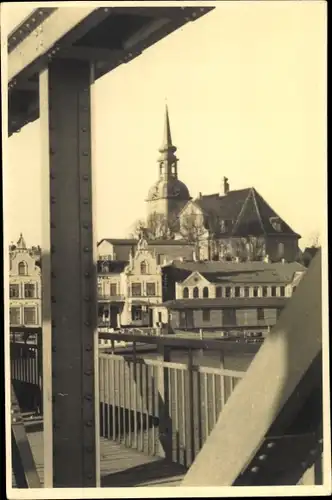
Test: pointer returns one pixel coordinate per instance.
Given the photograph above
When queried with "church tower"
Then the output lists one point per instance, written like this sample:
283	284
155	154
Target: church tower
168	195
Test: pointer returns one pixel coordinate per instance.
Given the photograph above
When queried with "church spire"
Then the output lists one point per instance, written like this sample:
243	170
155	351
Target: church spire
167	159
167	146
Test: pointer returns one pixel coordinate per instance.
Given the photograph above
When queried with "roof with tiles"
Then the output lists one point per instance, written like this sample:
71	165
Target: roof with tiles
248	211
245	303
242	272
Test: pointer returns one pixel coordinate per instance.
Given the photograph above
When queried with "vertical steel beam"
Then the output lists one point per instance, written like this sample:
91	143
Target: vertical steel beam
69	278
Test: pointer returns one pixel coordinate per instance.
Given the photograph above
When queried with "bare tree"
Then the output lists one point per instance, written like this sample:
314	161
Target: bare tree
161	227
250	248
137	228
315	240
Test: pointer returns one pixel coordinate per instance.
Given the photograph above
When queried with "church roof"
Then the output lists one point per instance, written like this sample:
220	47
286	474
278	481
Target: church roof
21	242
248	211
151	243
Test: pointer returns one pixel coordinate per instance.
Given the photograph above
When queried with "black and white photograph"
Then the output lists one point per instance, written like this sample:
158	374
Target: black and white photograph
165	249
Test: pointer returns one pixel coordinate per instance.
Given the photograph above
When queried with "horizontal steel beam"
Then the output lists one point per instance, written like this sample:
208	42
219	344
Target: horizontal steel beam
64	24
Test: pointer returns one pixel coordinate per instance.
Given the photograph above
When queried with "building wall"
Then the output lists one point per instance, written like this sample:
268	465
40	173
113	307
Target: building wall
220	318
21	304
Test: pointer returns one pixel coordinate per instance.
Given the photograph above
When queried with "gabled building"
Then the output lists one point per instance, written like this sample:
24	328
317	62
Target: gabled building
24	286
130	292
227	296
237	224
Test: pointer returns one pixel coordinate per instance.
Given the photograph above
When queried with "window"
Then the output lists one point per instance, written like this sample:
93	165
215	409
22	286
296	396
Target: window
255	291
150	289
273	291
136	313
14	291
113	290
185	293
294	288
205	292
237	291
229	317
105	267
195	293
218	291
206	314
29	290
264	291
100	289
281	250
282	291
136	289
260	314
228	292
22	269
15	316
29	315
246	291
144	268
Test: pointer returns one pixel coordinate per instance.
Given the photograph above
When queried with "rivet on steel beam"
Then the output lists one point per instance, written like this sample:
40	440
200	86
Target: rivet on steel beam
88	397
87	323
194	14
33	19
87	274
86	249
14	419
313	452
106	9
255	469
86	201
85	177
271	444
304	465
83	129
88	373
88	347
262	457
87	299
89	423
27	25
85	153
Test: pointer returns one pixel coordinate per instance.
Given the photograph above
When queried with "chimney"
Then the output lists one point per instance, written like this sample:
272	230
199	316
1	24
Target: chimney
283	261
266	258
224	187
200	195
195	257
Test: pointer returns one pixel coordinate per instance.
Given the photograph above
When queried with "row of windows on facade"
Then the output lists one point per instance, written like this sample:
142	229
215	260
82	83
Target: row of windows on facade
136	290
29	316
230	316
29	290
144	267
237	291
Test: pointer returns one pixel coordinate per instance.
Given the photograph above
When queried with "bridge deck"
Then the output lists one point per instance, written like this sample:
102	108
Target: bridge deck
120	466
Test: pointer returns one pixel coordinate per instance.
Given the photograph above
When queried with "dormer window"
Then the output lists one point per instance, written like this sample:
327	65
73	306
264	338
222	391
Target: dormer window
276	223
105	267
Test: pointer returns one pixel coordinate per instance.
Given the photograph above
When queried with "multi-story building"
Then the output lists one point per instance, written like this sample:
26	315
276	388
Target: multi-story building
24	286
228	296
129	292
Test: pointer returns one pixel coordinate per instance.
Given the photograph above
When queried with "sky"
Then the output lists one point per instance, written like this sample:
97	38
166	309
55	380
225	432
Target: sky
246	91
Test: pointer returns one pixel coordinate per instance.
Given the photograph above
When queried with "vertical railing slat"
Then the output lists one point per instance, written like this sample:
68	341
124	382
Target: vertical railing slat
141	406
113	400
118	399
124	392
176	422
184	441
206	406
